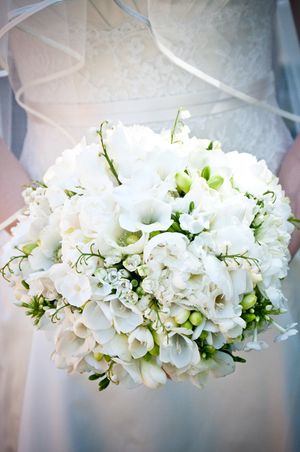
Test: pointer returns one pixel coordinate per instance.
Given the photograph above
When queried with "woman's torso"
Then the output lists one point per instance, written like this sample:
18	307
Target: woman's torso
125	76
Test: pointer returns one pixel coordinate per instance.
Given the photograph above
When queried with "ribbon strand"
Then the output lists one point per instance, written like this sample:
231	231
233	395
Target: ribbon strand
203	75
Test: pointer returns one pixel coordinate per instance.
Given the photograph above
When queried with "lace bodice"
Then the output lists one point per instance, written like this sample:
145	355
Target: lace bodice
123	64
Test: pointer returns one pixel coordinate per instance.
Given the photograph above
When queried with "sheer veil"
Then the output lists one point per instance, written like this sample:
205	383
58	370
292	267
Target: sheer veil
169	21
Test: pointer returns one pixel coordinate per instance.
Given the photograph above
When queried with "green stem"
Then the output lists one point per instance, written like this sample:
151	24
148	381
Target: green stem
105	153
173	130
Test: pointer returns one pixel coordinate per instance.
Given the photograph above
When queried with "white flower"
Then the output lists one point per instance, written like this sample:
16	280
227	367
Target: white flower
147	216
178	350
152	375
290	330
194	222
140	342
131	263
255	345
74	287
125	317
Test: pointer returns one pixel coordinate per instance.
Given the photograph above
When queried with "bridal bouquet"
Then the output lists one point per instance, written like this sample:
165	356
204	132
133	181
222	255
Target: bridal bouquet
151	255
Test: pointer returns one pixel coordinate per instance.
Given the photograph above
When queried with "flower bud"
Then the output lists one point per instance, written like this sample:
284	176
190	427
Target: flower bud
196	318
249	317
249	300
27	249
183	181
205	173
98	356
215	182
181	315
187	325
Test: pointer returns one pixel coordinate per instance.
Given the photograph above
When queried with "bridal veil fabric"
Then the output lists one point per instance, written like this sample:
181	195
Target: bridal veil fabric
73	63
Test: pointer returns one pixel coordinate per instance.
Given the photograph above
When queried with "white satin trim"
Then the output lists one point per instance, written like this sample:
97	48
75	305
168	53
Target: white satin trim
202	75
139	111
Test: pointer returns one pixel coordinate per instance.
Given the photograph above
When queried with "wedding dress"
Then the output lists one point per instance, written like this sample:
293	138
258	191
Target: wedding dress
125	76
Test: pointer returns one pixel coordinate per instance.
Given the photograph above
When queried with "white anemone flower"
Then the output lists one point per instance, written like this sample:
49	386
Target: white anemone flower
147	216
140	342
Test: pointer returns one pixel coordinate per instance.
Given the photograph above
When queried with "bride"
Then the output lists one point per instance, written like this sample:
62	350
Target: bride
71	65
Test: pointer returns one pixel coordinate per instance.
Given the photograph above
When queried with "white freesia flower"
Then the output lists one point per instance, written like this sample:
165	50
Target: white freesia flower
152	374
125	316
178	350
140	342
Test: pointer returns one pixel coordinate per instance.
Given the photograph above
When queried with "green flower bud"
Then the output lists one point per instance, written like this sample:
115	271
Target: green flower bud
203	335
98	356
196	318
134	282
215	182
209	349
155	350
205	173
140	291
24	284
183	181
187	325
249	300
249	317
27	249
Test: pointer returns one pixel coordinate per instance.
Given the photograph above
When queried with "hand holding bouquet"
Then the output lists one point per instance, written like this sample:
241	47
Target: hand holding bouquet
150	254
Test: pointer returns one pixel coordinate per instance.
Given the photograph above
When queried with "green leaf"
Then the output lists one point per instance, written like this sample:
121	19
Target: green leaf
210	146
94	377
238	359
103	384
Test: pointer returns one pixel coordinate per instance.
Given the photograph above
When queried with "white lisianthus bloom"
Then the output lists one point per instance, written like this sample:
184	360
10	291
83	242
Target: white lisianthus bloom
147	216
74	287
140	342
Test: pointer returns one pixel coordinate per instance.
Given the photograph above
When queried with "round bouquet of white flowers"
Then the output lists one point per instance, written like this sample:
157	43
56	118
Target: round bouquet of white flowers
152	255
